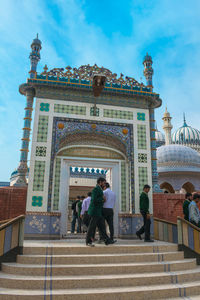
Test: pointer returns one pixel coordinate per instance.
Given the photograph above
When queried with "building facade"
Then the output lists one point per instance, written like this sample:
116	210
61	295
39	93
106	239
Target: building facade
72	128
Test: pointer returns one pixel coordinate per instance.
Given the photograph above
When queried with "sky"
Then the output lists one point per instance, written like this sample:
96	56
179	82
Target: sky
110	33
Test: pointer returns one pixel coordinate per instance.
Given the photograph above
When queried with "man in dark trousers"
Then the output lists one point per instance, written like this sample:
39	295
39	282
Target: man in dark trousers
186	203
74	215
95	213
144	210
110	199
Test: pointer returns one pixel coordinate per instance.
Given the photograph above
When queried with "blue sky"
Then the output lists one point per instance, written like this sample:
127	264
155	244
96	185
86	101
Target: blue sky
110	33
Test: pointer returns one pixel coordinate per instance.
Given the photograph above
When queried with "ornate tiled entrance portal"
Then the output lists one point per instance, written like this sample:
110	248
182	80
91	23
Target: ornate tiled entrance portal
116	130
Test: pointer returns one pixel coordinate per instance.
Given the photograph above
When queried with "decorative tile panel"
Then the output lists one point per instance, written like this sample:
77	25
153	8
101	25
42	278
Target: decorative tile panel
70	109
42	129
141	116
141	136
92	111
143	178
44	107
37	201
142	157
56	184
123	186
38	179
118	114
40	151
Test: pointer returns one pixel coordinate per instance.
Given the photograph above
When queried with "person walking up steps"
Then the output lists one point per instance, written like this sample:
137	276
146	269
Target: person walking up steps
144	210
95	213
110	199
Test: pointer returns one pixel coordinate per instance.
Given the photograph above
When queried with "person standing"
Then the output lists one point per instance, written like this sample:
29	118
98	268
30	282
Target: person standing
144	210
95	213
194	215
186	203
74	215
84	211
110	199
78	210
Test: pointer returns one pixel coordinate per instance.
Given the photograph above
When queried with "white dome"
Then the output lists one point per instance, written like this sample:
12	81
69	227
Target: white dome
159	136
177	158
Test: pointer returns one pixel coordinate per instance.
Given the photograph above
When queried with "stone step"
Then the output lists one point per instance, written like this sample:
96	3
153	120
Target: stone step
99	249
100	258
101	281
121	293
97	269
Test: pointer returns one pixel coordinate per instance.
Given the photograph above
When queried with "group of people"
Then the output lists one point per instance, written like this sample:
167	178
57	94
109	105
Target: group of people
93	211
190	208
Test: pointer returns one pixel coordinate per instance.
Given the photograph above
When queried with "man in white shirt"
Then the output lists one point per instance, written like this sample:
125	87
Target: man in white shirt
110	199
84	211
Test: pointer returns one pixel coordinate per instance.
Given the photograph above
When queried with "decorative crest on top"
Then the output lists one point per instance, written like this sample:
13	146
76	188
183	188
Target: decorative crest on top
86	72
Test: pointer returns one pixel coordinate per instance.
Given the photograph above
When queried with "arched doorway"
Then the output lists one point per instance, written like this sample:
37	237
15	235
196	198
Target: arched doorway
167	187
90	156
188	187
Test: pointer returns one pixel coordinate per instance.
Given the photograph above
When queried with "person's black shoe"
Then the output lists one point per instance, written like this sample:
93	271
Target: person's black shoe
149	241
138	235
89	245
113	241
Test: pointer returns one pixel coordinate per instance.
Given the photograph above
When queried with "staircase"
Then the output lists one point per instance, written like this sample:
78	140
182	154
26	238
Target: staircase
126	270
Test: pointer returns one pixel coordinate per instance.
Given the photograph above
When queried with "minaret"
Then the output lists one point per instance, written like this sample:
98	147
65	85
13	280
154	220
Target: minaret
30	93
167	126
148	70
35	56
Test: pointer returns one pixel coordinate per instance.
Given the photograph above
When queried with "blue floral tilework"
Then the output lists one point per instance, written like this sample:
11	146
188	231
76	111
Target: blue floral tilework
141	116
44	107
37	201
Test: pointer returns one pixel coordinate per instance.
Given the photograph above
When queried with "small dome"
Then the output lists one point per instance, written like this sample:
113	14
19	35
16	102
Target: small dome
160	137
36	42
177	158
147	57
186	135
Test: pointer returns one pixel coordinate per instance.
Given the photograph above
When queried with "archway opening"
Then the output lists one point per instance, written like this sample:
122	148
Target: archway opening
167	187
188	187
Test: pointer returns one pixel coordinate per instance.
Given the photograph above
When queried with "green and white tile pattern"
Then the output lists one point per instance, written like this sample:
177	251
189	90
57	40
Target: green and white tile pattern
118	114
142	157
38	179
123	186
141	136
56	184
70	109
143	178
41	151
42	129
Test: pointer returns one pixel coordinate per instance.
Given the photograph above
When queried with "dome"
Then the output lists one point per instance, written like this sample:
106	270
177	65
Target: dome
186	135
159	136
147	57
177	158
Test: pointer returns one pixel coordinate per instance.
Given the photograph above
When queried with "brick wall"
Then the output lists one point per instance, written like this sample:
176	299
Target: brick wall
12	202
168	206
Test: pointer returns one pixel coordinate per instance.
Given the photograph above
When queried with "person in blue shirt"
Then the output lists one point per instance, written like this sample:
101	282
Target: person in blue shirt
194	214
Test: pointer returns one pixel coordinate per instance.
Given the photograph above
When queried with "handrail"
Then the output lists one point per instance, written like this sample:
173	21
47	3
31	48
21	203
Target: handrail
11	221
190	224
4	221
164	221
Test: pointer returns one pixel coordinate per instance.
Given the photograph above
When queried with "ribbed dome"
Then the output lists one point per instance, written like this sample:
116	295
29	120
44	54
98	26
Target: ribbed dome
160	137
186	135
177	158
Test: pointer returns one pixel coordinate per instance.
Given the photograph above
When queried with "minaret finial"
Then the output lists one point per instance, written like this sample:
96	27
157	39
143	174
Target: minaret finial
184	120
